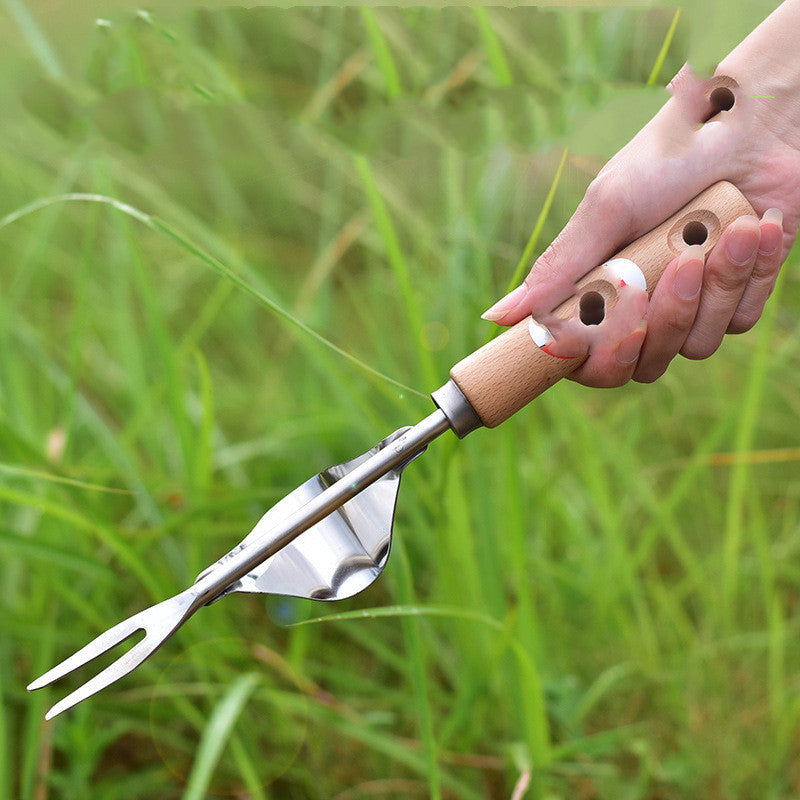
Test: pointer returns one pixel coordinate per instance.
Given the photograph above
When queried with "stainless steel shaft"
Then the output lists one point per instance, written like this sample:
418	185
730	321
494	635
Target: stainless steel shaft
402	449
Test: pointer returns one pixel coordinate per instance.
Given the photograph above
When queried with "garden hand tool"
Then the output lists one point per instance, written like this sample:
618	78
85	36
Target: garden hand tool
330	537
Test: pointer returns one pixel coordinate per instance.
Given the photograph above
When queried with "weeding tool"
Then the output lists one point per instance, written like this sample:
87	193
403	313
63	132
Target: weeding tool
330	537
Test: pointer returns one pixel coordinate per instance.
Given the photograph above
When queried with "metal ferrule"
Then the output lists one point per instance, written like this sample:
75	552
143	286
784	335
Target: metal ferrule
457	409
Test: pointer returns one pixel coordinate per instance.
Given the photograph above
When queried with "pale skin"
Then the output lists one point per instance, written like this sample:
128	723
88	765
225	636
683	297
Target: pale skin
755	145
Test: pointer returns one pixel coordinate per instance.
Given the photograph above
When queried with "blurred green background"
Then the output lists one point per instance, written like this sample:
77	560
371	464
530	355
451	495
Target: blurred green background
597	600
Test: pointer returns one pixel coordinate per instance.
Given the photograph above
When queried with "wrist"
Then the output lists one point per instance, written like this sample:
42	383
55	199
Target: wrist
767	62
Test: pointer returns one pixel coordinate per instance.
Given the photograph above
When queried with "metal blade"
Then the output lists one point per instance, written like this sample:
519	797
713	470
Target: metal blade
340	555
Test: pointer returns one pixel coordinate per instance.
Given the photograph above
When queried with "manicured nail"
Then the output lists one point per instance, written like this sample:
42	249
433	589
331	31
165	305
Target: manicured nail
774	236
688	278
742	245
628	349
506	304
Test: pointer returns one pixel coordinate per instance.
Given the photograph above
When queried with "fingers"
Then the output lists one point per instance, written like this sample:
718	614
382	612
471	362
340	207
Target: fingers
693	305
692	308
765	273
672	312
616	342
728	269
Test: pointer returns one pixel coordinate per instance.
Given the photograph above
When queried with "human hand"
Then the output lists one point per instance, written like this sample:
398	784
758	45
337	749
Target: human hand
696	139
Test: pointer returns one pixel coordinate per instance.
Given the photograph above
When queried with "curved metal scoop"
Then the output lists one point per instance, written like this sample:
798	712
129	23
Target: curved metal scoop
337	557
326	540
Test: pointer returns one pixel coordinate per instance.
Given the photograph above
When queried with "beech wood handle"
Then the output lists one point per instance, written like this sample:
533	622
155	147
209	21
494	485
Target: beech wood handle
508	372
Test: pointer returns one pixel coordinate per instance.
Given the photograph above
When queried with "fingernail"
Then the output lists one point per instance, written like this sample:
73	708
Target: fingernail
628	349
505	304
689	276
742	245
774	237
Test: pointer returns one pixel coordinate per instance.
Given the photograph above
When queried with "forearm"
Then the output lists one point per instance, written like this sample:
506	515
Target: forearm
772	50
767	67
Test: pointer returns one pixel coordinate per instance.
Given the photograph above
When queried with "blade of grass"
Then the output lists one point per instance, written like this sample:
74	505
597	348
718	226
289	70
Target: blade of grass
531	696
748	416
216	734
165	354
419	674
18	546
497	58
32	270
460	582
37	474
35	38
524	262
246	764
372	736
530	677
399	267
154	223
104	534
383	55
6	758
536	67
27	341
662	53
202	465
79	323
683	485
35	732
219	267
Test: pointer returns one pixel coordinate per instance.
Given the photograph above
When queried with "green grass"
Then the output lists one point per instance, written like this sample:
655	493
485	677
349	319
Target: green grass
242	245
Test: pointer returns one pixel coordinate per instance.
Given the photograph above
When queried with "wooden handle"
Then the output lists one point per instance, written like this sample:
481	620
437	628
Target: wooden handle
508	372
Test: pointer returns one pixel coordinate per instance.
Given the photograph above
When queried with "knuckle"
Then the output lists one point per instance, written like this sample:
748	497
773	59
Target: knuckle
549	261
678	321
546	270
648	374
743	321
613	375
609	194
549	280
728	278
697	350
602	372
682	78
596	190
609	381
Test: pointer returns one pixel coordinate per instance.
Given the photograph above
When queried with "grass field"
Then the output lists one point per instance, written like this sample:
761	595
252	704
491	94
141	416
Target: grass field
242	245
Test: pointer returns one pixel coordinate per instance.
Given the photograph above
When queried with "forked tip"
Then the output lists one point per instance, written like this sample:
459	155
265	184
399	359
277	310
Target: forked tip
37	684
71	700
158	622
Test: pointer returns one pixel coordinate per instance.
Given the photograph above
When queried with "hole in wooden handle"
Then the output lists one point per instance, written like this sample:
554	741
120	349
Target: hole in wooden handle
720	95
722	99
697	227
695	232
592	308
